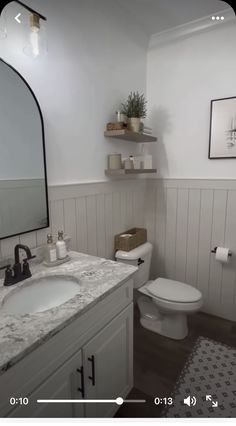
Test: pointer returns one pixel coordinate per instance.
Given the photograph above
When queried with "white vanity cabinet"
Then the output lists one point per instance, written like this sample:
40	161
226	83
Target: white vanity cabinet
108	364
92	358
63	384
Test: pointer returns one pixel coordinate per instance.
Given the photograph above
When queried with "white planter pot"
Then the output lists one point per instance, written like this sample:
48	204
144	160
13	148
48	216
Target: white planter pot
134	124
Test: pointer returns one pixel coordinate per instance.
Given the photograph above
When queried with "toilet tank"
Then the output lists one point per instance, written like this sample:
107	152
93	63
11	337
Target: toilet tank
141	257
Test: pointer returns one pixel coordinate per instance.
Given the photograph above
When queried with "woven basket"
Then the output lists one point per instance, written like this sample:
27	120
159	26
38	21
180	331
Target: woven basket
130	239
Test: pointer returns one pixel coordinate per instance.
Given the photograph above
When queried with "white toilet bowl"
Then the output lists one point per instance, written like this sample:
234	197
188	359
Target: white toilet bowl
166	303
165	306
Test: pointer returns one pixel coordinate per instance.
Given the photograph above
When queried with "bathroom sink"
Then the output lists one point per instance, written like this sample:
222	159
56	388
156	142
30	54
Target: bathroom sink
41	294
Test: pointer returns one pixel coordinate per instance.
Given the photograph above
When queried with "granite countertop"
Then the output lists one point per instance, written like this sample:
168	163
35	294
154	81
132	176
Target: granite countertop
19	335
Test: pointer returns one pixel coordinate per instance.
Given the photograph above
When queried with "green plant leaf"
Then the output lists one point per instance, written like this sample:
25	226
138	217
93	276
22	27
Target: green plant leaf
135	106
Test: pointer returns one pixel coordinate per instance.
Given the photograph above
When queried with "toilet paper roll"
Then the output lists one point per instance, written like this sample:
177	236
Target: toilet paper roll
222	254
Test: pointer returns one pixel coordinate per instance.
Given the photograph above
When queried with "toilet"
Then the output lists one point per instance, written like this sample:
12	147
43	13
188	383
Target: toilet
164	304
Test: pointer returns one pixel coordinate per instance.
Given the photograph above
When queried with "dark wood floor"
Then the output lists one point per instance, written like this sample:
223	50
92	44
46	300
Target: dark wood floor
158	360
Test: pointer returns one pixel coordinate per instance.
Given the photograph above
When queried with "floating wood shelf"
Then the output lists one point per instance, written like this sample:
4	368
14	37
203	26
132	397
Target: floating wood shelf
123	172
127	135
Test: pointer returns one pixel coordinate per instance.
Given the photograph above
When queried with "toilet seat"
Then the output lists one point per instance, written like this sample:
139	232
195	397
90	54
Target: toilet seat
185	307
172	306
173	291
166	306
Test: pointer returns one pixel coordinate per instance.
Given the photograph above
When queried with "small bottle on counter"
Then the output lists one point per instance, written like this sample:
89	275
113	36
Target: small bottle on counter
51	253
61	246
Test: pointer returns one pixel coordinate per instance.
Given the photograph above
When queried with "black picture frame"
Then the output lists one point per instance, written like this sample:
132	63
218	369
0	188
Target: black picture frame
44	158
210	156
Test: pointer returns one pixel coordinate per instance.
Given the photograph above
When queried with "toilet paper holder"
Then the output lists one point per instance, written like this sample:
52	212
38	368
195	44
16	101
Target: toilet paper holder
214	251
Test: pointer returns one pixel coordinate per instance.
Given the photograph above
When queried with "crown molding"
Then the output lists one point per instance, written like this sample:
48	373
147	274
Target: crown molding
191	28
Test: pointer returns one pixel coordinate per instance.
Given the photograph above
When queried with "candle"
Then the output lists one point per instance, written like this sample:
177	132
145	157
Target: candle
114	161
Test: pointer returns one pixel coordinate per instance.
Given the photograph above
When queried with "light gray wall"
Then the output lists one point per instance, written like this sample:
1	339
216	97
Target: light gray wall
186	219
96	56
183	76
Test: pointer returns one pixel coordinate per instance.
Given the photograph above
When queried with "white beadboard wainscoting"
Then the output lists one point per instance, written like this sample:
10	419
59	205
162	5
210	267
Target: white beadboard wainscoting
91	214
186	219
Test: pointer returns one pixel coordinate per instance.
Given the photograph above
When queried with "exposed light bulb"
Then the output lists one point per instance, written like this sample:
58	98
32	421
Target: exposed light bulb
36	44
34	41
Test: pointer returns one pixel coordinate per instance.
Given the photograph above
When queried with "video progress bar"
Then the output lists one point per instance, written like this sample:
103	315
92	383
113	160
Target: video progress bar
118	401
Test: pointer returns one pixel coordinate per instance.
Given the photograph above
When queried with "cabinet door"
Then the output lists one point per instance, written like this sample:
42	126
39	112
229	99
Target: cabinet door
63	384
108	361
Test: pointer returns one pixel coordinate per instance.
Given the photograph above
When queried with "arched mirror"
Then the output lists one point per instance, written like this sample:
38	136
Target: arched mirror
23	181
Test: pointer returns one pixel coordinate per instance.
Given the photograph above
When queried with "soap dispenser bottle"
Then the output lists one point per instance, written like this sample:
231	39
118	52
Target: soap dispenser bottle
61	246
51	249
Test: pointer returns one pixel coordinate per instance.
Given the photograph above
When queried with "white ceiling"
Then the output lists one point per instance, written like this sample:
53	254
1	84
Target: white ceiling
159	15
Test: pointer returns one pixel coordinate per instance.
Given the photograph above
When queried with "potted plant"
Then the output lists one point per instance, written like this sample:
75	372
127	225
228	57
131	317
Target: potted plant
135	108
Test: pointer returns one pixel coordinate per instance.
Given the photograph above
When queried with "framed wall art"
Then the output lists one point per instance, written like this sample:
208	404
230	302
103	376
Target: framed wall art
222	142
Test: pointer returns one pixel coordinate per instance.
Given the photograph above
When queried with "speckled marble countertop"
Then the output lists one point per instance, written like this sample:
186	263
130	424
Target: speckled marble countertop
19	335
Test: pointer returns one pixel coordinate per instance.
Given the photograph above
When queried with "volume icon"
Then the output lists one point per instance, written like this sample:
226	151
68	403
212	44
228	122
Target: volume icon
190	401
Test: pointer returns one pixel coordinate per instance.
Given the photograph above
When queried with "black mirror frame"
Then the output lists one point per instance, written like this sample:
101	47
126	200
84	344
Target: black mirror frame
44	155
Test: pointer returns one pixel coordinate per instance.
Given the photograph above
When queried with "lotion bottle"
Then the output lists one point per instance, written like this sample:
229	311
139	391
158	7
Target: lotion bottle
61	246
51	254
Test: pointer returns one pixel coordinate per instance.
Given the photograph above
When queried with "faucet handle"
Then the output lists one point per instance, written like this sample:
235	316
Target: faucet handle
26	270
30	258
5	267
8	275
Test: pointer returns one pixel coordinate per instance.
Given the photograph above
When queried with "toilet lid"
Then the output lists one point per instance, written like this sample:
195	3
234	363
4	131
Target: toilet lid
173	291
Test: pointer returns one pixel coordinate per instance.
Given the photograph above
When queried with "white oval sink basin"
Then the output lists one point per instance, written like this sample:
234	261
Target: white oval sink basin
41	294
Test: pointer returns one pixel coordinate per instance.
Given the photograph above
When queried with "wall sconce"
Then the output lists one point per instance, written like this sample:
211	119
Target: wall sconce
37	40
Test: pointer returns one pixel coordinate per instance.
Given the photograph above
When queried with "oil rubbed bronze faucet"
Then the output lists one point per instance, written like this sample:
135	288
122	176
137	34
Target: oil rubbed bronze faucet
18	272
